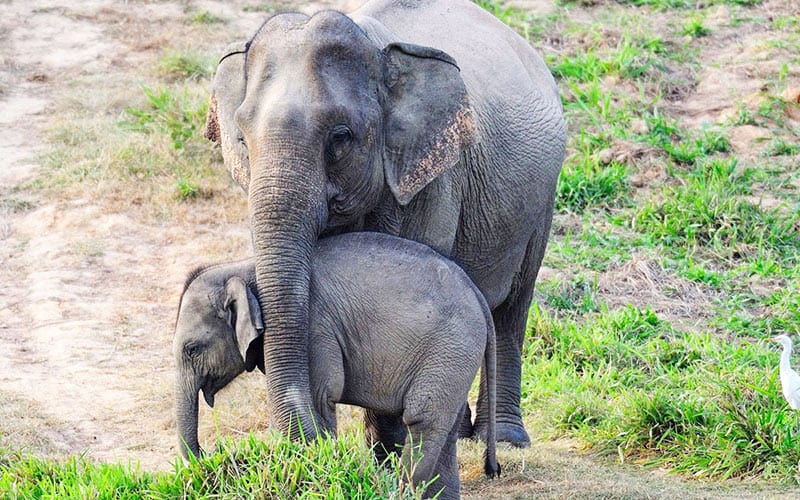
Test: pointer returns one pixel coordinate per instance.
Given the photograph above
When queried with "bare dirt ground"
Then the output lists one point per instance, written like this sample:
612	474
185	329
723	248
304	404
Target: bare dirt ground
88	294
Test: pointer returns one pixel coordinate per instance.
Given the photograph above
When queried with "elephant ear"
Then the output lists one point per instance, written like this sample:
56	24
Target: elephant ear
427	117
241	304
226	96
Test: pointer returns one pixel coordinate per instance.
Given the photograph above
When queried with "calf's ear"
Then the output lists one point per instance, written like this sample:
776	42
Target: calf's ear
243	307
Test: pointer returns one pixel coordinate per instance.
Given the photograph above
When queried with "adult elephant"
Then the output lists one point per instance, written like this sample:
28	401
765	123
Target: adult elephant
431	120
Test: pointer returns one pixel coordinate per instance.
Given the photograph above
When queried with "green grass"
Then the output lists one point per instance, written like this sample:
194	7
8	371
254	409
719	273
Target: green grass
781	147
753	315
168	112
511	16
274	467
592	248
687	4
708	212
205	17
187	189
631	386
589	183
694	27
578	295
635	56
681	146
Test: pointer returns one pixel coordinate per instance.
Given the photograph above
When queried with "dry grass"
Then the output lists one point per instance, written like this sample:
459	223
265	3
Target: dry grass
27	425
560	469
644	283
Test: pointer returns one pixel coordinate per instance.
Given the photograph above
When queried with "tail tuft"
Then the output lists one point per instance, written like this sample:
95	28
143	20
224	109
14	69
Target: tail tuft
490	465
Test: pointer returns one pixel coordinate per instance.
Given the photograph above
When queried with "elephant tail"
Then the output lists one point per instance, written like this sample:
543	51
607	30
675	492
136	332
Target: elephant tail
490	465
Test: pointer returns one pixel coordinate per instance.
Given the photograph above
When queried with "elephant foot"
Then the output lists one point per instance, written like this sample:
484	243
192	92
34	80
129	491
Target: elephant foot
465	428
506	432
513	433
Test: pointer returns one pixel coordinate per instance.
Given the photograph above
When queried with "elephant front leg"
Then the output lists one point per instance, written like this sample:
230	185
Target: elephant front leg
385	434
327	419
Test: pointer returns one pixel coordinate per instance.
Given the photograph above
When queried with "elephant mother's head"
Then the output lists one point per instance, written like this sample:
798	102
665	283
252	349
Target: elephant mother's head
316	121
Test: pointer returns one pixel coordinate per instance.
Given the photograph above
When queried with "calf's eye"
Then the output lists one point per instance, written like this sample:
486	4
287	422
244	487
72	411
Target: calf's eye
192	350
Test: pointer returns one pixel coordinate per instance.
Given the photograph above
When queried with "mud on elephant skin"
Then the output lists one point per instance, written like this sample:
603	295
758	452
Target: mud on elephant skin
426	119
394	327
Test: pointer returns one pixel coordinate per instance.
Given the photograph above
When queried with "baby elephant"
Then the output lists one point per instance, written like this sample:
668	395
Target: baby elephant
393	327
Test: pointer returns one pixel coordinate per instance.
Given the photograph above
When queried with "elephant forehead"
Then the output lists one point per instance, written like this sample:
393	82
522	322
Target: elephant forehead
325	33
197	306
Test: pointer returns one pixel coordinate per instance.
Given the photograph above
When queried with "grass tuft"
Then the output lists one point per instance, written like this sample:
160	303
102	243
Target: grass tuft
168	112
206	17
589	183
694	28
176	66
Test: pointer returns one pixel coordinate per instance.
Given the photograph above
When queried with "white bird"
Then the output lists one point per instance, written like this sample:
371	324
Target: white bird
790	380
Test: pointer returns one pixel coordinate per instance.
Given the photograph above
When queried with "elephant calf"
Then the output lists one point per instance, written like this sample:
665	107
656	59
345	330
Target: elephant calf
394	327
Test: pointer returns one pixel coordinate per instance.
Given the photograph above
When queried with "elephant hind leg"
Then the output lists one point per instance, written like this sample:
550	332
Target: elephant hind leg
510	319
429	454
447	465
421	455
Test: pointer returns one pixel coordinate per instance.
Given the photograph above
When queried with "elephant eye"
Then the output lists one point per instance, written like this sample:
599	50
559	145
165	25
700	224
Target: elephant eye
192	350
340	142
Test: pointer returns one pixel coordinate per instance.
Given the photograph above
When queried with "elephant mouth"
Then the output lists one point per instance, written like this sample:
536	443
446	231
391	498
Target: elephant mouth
208	395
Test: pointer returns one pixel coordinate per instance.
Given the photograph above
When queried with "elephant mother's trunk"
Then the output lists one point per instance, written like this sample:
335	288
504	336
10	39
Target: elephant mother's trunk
287	210
186	415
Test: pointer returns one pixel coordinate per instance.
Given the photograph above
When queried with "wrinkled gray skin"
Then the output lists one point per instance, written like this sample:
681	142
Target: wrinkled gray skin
394	327
431	120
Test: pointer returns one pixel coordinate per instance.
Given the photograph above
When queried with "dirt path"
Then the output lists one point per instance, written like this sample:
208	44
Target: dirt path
67	370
